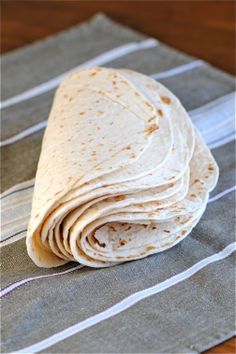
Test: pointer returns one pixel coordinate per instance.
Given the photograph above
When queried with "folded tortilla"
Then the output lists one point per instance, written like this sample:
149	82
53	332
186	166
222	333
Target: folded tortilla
122	174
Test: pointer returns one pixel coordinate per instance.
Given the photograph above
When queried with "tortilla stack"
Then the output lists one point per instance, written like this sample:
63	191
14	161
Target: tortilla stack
122	174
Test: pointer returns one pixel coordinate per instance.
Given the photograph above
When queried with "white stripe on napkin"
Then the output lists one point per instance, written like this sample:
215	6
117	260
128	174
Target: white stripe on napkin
223	141
210	105
222	194
99	60
17	188
21	282
128	302
178	70
8	205
217	110
24	133
14	238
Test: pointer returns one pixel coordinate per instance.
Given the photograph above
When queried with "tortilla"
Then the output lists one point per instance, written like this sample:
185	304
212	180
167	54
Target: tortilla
122	173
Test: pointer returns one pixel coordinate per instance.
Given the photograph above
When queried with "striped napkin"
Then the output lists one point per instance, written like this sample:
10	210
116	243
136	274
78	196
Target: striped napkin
181	300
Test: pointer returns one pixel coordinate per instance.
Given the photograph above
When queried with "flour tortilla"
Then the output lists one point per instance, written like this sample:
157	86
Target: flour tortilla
122	173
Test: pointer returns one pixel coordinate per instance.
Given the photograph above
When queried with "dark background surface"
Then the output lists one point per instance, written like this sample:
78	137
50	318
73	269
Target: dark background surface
201	28
205	29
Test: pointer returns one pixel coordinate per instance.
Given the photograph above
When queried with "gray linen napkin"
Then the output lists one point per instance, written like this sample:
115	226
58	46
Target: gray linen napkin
79	310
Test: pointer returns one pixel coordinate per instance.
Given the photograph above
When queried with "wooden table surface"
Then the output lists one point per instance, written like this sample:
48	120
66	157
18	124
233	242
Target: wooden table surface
201	28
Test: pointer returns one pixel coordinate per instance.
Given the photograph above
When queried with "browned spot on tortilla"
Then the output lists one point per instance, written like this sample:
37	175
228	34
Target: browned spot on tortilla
128	228
154	227
128	147
147	104
159	111
183	232
167	244
36	216
167	231
112	228
210	167
196	181
82	113
193	195
93	74
70	99
94	153
103	245
57	193
165	99
151	119
98	128
151	129
133	156
122	242
118	198
119	257
61	126
137	94
150	248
